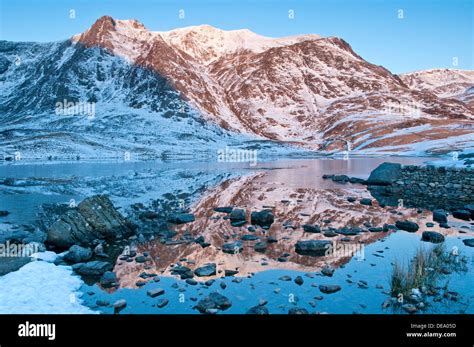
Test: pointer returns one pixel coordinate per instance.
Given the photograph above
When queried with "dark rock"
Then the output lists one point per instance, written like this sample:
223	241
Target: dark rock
92	268
271	239
315	248
262	218
468	242
249	237
340	178
213	301
162	303
327	271
329	288
108	279
258	310
226	209
349	231
357	180
182	271
119	305
470	208
228	273
141	259
297	310
4	213
299	280
432	236
330	233
311	228
385	174
366	201
95	218
238	215
148	215
462	214
155	292
233	247
351	199
407	225
409	308
440	216
260	246
77	254
181	218
206	270
191	281
102	302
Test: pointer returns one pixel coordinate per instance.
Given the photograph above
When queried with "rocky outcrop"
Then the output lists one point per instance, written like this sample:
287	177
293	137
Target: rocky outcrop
95	218
427	187
385	174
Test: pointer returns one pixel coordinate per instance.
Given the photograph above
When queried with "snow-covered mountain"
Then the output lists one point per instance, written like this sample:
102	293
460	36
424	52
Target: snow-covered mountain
198	87
442	82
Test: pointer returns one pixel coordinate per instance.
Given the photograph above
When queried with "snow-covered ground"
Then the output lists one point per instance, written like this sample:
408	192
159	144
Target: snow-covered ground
41	287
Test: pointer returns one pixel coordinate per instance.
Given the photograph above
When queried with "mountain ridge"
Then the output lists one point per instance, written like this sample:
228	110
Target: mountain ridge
306	90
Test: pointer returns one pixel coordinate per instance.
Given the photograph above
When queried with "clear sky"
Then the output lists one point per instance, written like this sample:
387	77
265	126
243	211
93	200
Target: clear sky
431	34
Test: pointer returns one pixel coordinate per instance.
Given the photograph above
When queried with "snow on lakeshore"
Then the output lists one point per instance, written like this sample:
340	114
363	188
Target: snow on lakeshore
41	287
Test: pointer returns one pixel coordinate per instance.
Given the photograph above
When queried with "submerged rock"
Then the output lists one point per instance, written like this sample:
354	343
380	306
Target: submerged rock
297	310
432	236
213	301
4	213
94	218
258	310
329	288
315	248
468	242
155	292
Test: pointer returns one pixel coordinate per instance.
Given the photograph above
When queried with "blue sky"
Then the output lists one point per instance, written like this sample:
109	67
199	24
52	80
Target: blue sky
432	33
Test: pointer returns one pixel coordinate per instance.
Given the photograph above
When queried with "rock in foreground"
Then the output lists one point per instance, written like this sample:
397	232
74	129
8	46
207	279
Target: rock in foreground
95	218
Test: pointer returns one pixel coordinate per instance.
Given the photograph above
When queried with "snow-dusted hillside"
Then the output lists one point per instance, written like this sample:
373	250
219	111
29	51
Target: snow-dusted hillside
192	90
135	110
442	82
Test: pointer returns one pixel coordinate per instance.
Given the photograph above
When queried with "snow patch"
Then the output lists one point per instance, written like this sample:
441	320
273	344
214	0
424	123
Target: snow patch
41	287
